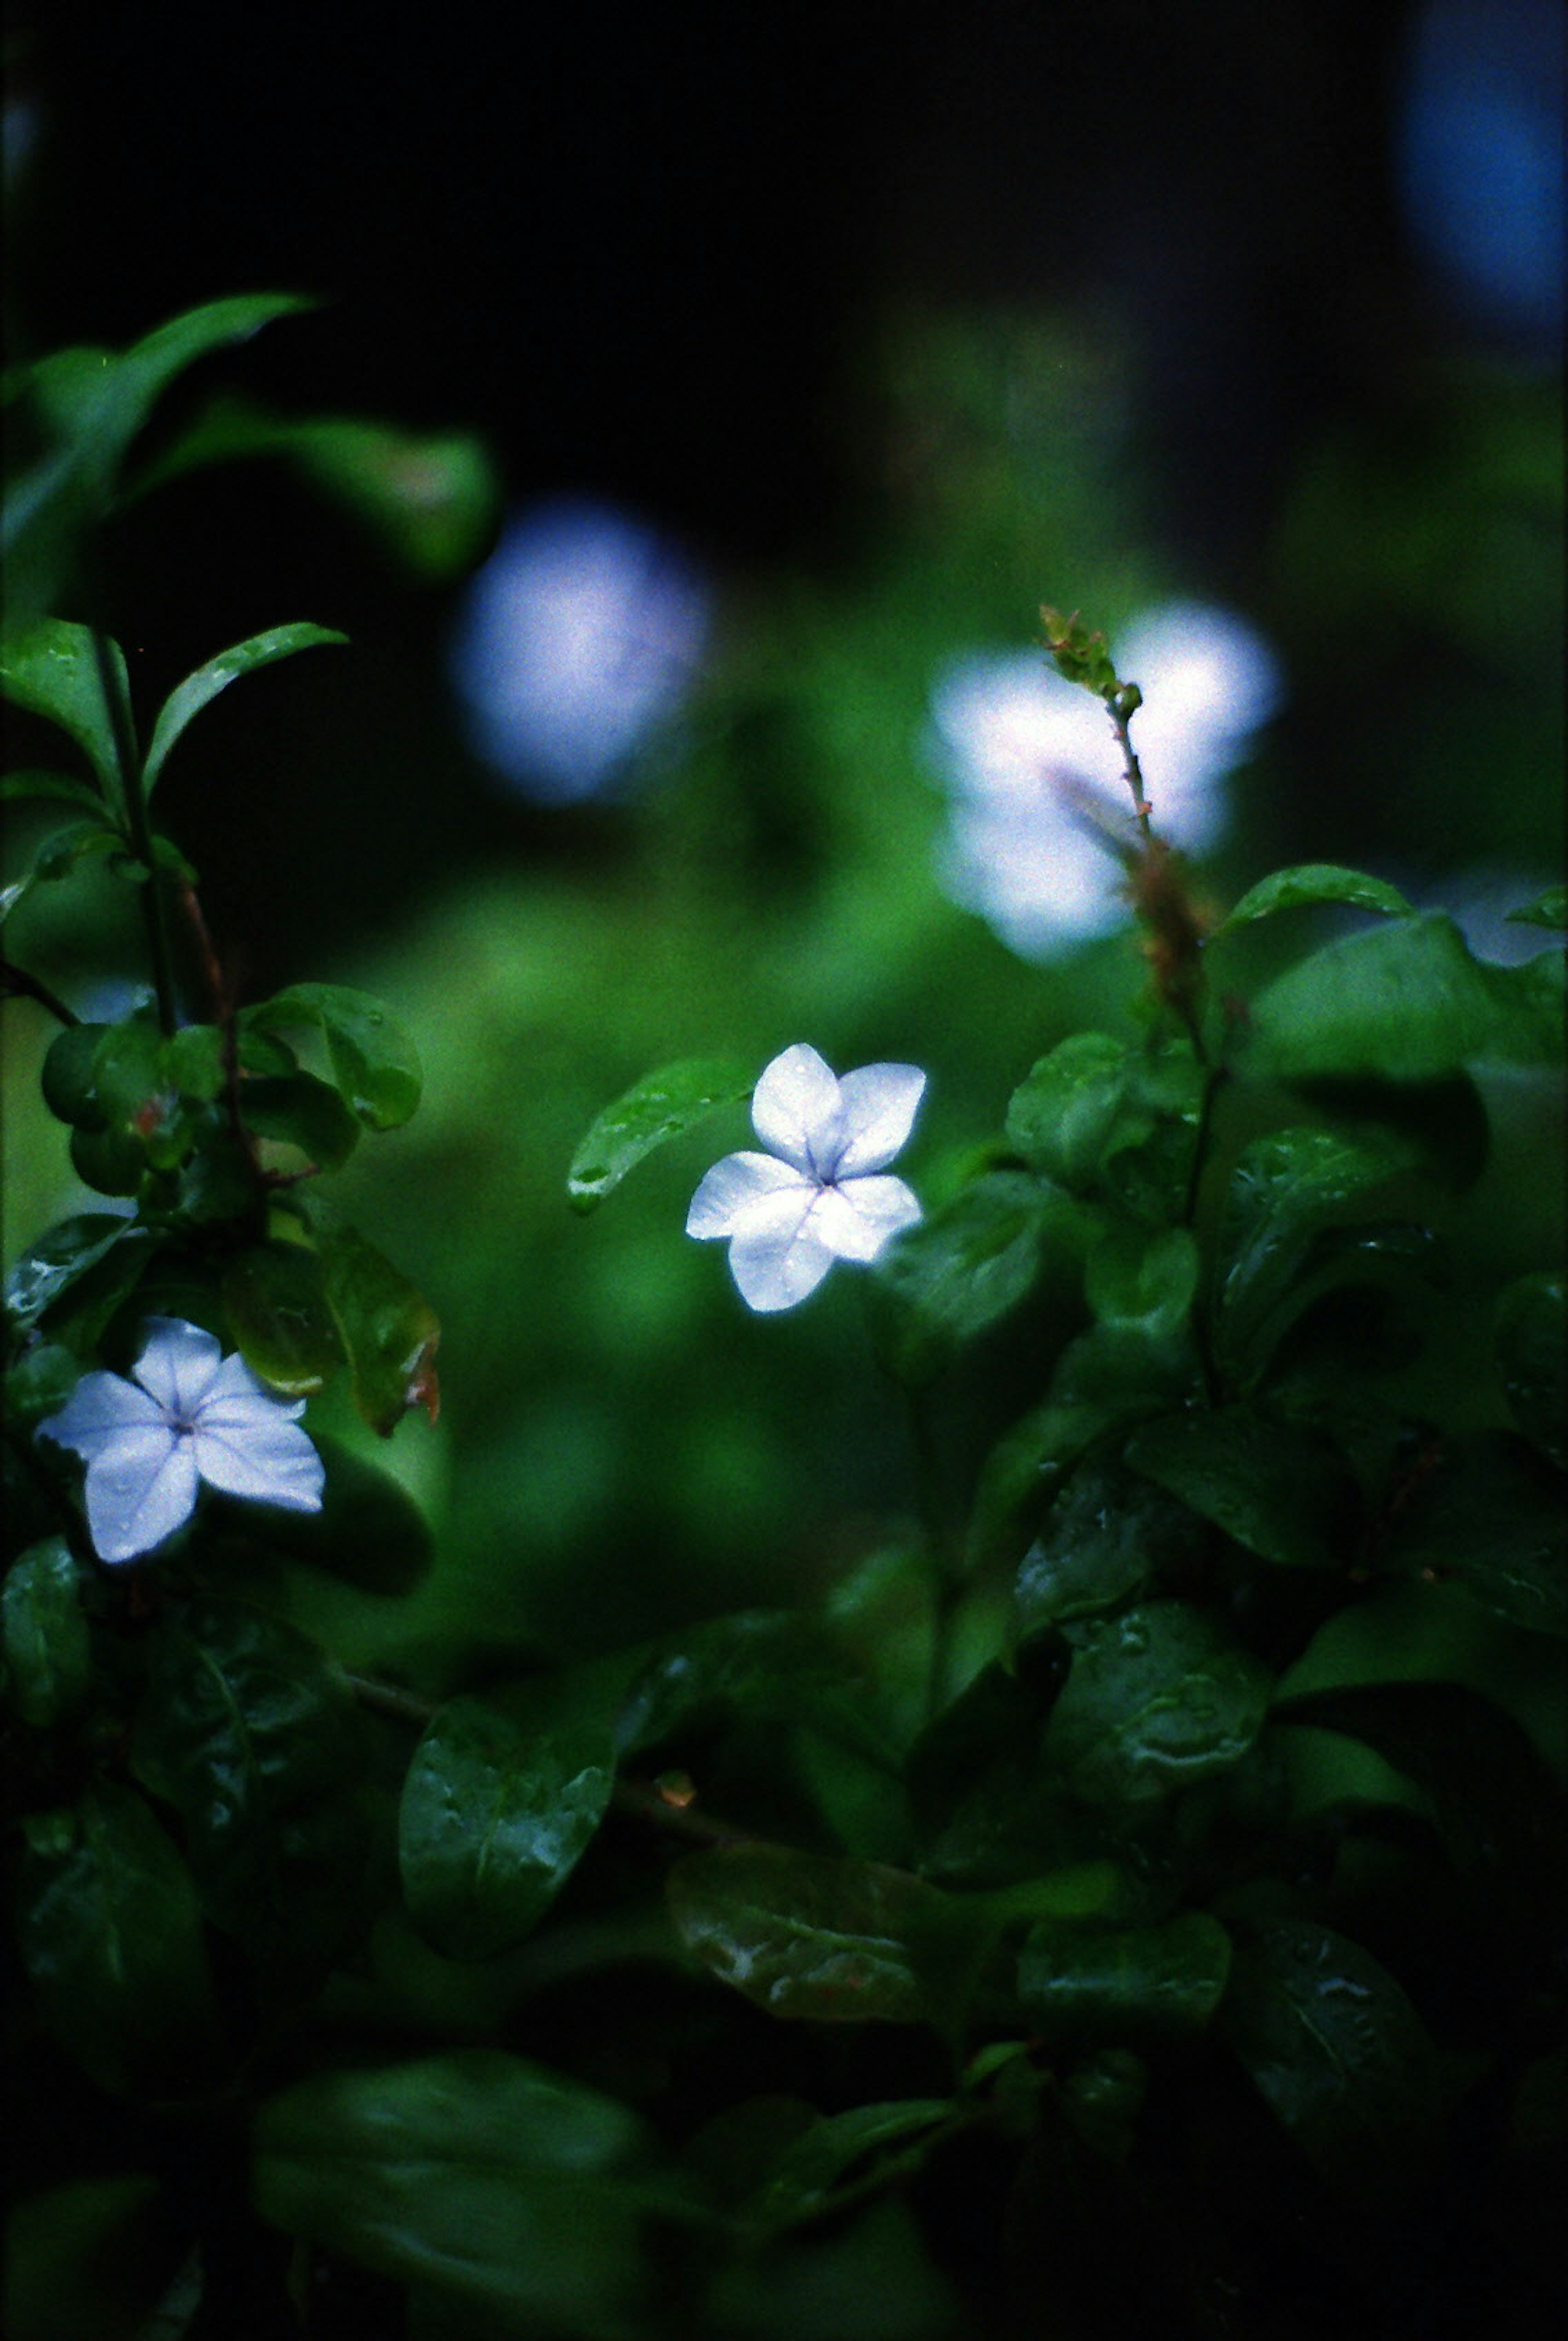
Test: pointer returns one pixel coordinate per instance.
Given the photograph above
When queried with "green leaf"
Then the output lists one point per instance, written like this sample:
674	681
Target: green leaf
195	1060
1316	881
93	2256
661	1106
274	1297
372	1061
43	1632
58	1260
1278	1488
756	1663
254	1739
1089	1984
1062	1114
1548	910
1143	1280
965	1267
1099	1117
498	1807
1409	1001
388	1330
197	690
512	2192
1490	1519
807	2179
66	1078
1157	1698
1108	1376
1531	1350
110	1933
128	1070
53	669
16	787
1109	1532
369	1531
84	841
809	1937
1337	2053
302	1111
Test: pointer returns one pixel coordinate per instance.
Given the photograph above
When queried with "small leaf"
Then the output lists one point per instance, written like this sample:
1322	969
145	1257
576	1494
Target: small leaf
761	1663
195	1060
1092	1984
1531	1349
498	1809
274	1297
1278	1488
388	1330
66	1078
1101	1118
53	669
1337	2053
1407	1000
806	2179
806	1936
44	1633
1108	1532
1316	881
300	1110
18	786
59	1259
198	688
965	1267
1490	1519
110	1933
1144	1280
1548	910
1158	1698
373	1063
661	1106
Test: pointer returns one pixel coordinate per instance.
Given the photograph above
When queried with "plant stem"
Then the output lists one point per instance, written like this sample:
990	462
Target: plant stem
16	983
138	835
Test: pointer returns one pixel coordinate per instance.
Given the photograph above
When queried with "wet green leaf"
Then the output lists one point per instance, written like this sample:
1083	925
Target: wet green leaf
59	1259
661	1106
1108	1532
965	1267
1143	1280
1280	1489
369	1531
1491	1519
515	2193
372	1061
1099	1984
1337	2052
66	1078
808	2178
771	1663
254	1739
1407	1000
84	841
388	1330
43	1632
198	688
1157	1698
1531	1349
1316	881
16	787
1061	1116
302	1111
195	1059
274	1297
1102	1118
498	1805
52	669
110	1933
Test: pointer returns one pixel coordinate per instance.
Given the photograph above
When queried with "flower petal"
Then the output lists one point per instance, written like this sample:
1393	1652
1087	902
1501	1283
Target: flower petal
139	1491
178	1364
100	1411
855	1219
236	1380
879	1109
797	1110
253	1447
734	1185
774	1271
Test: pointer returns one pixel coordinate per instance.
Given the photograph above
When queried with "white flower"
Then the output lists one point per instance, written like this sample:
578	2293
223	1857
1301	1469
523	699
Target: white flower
189	1414
818	1197
1021	748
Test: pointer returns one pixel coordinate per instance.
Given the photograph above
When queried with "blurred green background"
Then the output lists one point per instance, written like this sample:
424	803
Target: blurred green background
876	330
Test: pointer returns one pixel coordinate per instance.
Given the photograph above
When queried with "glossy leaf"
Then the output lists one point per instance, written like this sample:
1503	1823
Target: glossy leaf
388	1330
498	1805
1102	1117
1157	1698
274	1297
757	1663
199	689
66	1078
1061	1116
965	1267
43	1633
59	1259
1108	1532
1489	1518
661	1106
1531	1350
254	1739
302	1111
195	1060
84	841
1143	1280
1108	1376
110	1934
1091	1983
53	669
1407	1000
17	787
1278	1488
1316	881
128	1072
809	1937
515	2193
809	2175
1337	2052
373	1062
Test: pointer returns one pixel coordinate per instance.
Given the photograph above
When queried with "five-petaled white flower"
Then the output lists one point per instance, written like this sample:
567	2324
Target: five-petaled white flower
820	1195
188	1414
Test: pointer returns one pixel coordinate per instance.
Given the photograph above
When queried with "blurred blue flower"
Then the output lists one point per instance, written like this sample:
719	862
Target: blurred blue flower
1023	752
188	1414
579	637
817	1197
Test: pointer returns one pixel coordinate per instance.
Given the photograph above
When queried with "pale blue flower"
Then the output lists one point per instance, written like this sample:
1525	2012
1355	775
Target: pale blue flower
821	1194
188	1414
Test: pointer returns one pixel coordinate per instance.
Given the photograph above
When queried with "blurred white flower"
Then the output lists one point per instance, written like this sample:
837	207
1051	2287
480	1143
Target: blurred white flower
579	636
188	1414
1021	750
817	1197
